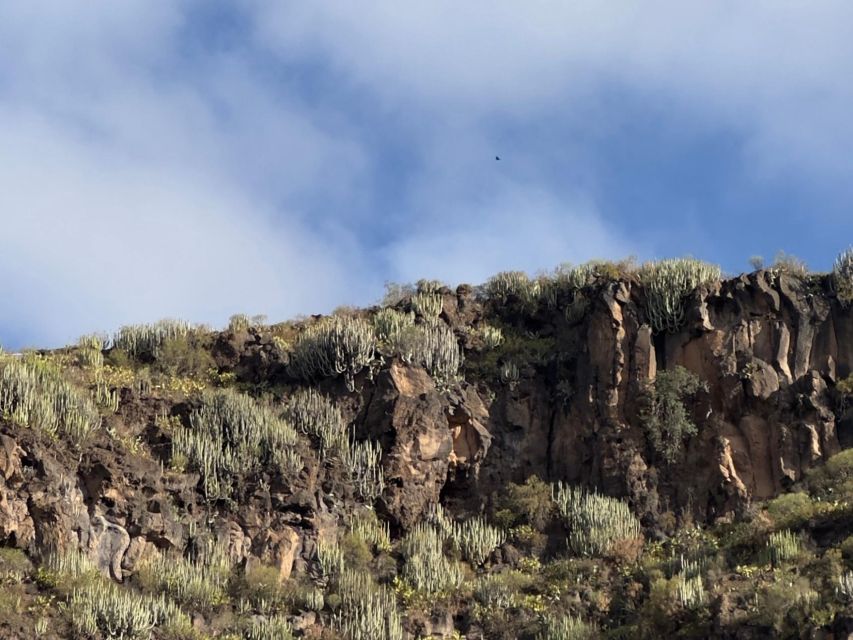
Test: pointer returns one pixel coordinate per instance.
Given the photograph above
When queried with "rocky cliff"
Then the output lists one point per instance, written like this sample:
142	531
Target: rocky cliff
562	397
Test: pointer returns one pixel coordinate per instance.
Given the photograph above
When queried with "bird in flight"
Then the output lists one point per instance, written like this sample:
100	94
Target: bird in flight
497	157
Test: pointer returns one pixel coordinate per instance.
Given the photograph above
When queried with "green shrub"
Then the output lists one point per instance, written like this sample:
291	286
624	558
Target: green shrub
528	503
791	509
667	284
334	346
185	356
34	394
834	479
842	276
14	566
664	415
596	523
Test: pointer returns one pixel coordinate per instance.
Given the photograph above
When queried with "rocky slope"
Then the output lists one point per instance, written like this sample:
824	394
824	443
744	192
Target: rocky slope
563	396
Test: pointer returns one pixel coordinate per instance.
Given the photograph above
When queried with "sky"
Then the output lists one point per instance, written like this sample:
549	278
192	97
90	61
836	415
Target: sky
197	158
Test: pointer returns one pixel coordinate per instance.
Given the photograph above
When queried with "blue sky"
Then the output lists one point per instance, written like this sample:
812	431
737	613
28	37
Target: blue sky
195	159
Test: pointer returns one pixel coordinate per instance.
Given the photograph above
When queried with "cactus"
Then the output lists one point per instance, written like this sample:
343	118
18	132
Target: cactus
667	284
315	415
842	277
513	287
427	305
388	323
433	346
120	614
273	628
363	462
427	568
567	628
595	522
331	557
492	337
366	525
844	588
146	340
201	582
231	434
782	546
33	393
368	611
691	591
334	346
476	539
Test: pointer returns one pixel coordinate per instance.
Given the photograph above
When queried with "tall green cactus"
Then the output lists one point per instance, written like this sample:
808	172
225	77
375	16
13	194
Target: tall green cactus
667	283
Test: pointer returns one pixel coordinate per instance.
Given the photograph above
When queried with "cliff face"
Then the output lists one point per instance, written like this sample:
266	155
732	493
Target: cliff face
769	351
769	348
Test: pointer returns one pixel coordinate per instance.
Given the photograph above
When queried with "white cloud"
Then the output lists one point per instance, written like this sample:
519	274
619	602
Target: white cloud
91	241
776	71
516	228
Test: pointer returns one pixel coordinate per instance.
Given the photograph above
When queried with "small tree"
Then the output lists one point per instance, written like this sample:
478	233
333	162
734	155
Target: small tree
664	416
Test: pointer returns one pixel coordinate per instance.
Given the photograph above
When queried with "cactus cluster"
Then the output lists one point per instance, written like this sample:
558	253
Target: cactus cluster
433	346
368	610
492	337
427	305
389	322
330	556
199	582
842	276
512	287
90	351
567	627
667	283
146	340
313	414
844	588
782	546
476	539
334	346
363	462
34	394
493	590
231	434
272	628
426	567
102	608
691	591
595	522
364	524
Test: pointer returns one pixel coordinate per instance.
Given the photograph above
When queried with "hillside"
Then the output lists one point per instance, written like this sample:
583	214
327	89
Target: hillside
607	451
